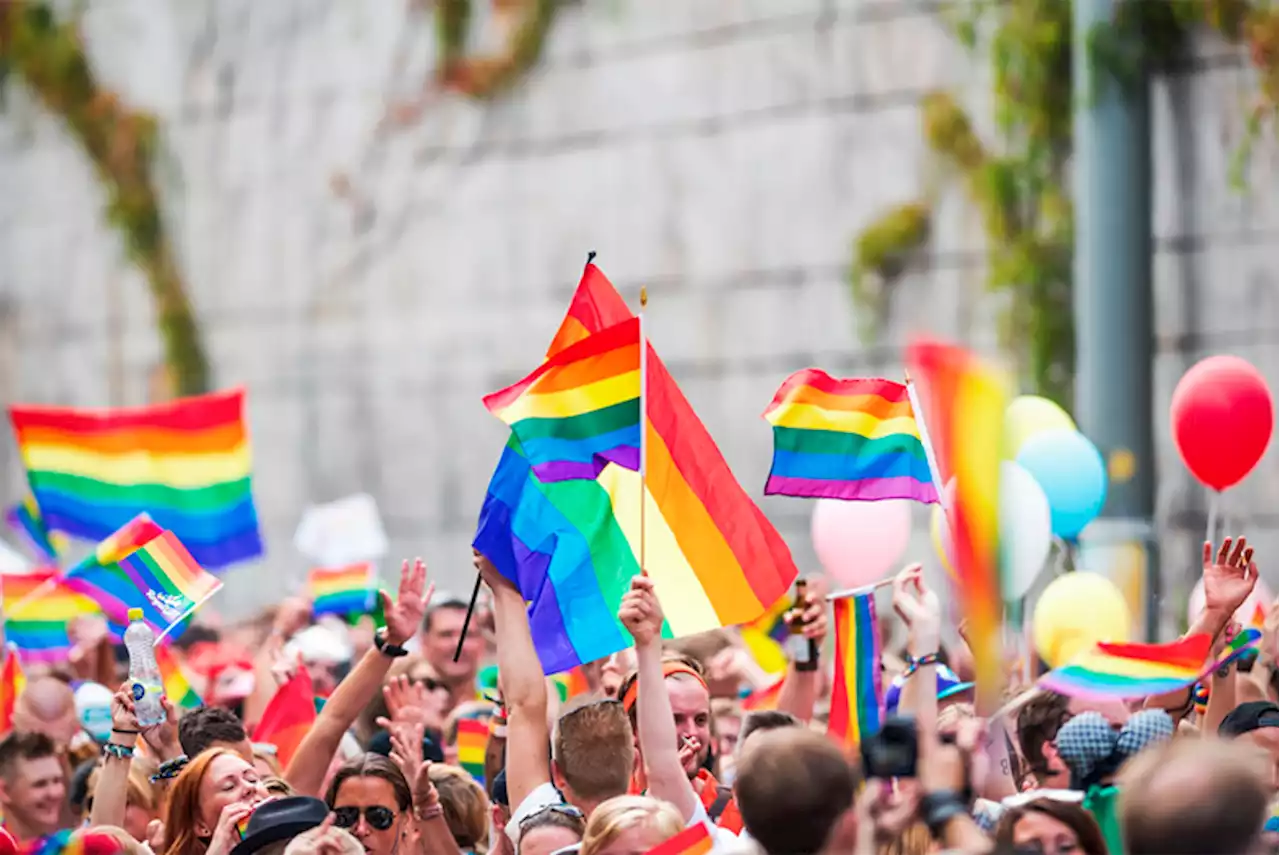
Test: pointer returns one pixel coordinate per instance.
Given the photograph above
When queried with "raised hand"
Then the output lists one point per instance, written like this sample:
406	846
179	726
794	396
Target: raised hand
404	614
495	580
918	607
406	746
1229	576
813	616
225	836
162	738
124	723
640	612
406	701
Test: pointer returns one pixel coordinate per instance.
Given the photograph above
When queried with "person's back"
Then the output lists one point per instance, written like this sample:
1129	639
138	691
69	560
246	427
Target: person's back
1194	797
792	787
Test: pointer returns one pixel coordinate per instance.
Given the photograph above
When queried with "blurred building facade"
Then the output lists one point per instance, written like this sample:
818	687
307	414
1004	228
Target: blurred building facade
369	256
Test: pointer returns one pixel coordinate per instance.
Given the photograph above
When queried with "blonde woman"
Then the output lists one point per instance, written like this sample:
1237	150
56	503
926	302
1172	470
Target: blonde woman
627	825
466	807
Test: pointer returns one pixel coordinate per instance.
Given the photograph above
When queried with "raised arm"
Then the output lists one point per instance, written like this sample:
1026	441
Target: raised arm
310	762
524	689
1229	578
641	614
920	610
799	692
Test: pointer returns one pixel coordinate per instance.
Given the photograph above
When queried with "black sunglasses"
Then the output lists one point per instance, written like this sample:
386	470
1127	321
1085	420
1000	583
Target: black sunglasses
379	818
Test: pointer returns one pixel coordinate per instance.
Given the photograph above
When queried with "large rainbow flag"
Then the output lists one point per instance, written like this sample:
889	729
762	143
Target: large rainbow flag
963	403
571	546
186	463
853	439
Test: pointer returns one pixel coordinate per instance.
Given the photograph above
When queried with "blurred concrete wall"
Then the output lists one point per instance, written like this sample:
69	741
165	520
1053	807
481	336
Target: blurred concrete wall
370	279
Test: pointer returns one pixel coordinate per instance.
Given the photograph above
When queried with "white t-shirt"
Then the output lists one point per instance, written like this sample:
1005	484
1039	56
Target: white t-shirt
545	795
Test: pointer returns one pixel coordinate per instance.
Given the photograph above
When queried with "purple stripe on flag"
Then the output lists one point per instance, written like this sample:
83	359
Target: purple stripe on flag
866	490
551	471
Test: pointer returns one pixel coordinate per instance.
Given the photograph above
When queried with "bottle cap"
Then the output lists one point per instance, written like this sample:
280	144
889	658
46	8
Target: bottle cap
135	614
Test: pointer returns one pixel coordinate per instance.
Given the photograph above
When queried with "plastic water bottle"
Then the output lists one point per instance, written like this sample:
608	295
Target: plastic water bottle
144	673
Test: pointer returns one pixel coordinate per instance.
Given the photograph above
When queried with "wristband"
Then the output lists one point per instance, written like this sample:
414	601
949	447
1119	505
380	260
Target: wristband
170	769
914	664
385	647
120	752
938	809
423	814
122	730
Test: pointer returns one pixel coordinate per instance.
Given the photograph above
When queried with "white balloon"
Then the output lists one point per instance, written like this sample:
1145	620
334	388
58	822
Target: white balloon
1025	530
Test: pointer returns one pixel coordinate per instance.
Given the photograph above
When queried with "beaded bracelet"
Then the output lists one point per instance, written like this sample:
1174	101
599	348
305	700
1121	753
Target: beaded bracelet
120	752
914	664
170	769
422	814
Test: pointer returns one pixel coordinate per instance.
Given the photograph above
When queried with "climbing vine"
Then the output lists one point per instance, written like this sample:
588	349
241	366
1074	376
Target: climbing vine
483	77
50	58
881	252
1017	182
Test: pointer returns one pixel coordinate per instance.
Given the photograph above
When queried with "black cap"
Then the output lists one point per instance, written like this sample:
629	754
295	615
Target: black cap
280	819
380	743
1250	716
498	790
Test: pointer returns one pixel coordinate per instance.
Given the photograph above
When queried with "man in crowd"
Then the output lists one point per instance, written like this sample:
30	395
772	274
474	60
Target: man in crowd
33	786
438	641
1257	724
213	727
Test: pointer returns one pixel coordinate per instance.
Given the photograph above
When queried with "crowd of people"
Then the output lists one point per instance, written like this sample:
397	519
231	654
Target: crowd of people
658	741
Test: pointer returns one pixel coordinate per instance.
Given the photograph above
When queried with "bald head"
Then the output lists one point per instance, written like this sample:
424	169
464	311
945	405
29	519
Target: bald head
47	705
1194	797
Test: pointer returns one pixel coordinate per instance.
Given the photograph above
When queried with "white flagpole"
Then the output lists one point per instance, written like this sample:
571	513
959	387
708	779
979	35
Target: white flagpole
644	422
853	592
934	475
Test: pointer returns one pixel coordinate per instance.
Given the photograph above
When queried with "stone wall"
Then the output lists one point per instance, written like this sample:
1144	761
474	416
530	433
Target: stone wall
369	273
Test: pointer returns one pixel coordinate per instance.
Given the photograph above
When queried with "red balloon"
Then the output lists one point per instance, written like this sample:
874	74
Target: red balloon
1222	416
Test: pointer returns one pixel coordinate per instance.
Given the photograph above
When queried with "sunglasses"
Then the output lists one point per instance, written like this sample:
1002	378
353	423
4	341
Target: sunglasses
379	818
561	809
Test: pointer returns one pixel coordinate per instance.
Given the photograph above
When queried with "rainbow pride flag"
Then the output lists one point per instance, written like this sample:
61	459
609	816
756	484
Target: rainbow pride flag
12	682
765	698
289	715
853	439
473	739
100	577
694	840
170	584
579	410
37	610
714	558
342	591
177	688
24	518
186	463
856	697
963	402
1127	671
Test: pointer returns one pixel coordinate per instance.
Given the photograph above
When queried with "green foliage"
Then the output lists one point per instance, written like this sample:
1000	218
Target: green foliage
881	251
489	76
49	57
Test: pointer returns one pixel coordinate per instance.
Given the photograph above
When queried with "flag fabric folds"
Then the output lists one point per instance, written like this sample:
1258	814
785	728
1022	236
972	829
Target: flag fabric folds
186	463
1126	671
765	698
177	688
290	713
964	402
25	520
853	439
694	840
580	409
12	682
571	546
856	694
342	591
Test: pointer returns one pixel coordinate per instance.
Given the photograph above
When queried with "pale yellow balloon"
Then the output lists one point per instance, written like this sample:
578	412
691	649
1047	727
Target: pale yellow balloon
1028	415
1075	612
939	535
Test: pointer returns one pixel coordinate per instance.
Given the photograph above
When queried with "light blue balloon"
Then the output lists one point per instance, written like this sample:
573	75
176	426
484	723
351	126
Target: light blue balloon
1070	470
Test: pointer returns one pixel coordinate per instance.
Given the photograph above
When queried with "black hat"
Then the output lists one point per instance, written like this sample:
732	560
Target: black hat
280	819
380	743
1250	716
498	790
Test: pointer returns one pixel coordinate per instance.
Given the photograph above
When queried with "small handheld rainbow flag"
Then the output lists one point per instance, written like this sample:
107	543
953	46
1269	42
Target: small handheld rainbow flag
962	400
24	518
177	688
1127	671
342	591
473	738
99	575
170	583
694	840
185	462
579	410
853	439
856	696
12	682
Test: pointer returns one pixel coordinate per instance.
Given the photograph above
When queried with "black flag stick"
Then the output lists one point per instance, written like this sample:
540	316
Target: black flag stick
462	636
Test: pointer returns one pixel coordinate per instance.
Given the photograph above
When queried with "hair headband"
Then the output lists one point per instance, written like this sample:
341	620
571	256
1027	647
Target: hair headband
669	669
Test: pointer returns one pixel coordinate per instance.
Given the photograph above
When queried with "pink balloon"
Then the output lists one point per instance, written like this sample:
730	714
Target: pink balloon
859	542
1251	612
